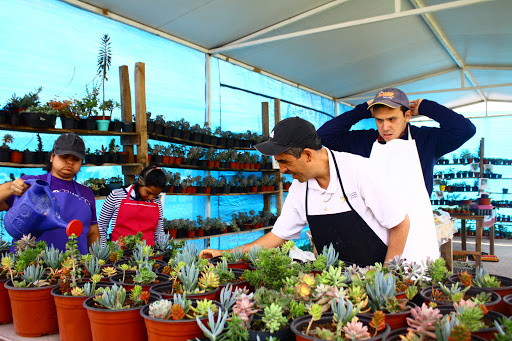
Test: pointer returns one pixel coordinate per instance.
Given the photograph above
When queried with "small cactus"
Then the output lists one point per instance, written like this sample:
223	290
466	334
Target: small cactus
177	312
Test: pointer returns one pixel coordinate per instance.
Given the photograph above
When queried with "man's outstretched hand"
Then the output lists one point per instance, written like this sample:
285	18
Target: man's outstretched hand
210	253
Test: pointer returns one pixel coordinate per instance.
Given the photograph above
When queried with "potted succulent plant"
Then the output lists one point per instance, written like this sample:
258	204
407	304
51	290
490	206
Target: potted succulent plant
115	315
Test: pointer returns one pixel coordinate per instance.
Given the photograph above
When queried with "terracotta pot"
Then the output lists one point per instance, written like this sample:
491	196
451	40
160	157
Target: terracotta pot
116	325
16	157
207	190
5	304
211	164
172	232
200	233
426	295
239	265
165	290
172	330
166	159
191	234
504	290
217	164
72	316
395	320
33	310
299	323
178	160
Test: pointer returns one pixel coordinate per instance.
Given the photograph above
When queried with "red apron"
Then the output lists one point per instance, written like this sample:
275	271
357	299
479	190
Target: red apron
135	216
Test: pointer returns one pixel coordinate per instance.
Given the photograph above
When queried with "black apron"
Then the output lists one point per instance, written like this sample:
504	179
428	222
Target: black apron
349	234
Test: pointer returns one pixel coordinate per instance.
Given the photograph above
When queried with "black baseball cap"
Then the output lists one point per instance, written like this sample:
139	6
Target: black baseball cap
290	132
391	97
69	143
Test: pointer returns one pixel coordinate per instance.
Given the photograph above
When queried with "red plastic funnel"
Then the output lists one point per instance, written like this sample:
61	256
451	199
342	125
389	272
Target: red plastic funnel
74	226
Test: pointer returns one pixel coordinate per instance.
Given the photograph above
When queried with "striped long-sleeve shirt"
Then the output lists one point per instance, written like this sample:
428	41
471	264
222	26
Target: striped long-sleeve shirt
110	209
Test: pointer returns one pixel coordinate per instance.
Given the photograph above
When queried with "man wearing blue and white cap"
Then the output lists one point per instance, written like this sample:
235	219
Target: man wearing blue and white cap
405	154
336	194
392	111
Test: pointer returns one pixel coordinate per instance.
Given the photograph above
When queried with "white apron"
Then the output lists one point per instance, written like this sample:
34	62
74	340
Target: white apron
399	161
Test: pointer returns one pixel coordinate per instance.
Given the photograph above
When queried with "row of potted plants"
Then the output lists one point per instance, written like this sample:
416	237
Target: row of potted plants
182	129
264	294
238	183
180	228
175	154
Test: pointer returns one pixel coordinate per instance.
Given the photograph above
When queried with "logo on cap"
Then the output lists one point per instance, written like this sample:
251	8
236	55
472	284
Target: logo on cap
387	94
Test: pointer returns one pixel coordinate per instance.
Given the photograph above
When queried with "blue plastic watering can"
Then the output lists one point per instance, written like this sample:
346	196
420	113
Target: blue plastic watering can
36	212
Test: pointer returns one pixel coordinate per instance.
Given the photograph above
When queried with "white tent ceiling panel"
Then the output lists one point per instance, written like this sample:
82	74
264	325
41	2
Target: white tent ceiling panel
348	61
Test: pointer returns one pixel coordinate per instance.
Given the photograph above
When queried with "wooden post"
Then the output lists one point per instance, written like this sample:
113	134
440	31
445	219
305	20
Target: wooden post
126	116
140	113
265	132
279	199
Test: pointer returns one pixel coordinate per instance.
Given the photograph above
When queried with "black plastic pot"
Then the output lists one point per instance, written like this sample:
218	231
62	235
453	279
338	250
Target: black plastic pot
127	127
39	120
115	126
68	123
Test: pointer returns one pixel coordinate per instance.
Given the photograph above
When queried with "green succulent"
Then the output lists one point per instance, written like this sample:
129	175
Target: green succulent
273	318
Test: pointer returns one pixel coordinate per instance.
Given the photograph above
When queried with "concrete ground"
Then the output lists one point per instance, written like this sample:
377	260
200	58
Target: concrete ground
502	249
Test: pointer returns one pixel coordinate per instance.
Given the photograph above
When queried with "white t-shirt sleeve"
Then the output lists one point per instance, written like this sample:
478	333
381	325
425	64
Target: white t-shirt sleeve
380	196
293	216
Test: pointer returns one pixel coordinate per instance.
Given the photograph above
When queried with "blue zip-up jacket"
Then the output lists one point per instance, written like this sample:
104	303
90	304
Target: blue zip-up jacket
432	143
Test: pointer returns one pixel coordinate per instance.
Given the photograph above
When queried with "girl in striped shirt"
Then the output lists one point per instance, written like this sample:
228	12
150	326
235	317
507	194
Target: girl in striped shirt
136	208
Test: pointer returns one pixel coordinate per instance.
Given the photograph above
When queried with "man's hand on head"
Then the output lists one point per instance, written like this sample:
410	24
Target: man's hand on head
414	106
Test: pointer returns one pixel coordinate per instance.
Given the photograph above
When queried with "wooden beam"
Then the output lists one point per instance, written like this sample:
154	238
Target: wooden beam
279	199
265	132
126	117
140	112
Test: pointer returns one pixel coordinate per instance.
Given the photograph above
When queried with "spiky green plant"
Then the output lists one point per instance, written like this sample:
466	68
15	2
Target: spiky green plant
437	270
215	328
444	327
92	265
237	330
32	276
273	318
484	280
316	313
145	275
454	292
469	314
52	257
188	276
331	255
504	330
380	290
112	297
254	253
100	251
104	61
334	276
201	308
228	296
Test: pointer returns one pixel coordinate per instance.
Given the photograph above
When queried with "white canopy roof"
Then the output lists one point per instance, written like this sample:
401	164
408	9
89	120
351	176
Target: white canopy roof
346	49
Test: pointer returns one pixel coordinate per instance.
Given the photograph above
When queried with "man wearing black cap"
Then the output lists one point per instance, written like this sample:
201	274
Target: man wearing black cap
75	200
392	111
336	195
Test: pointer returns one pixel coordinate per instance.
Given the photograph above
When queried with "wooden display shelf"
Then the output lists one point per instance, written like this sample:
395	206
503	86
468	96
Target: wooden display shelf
181	166
60	131
222	194
41	165
226	234
191	143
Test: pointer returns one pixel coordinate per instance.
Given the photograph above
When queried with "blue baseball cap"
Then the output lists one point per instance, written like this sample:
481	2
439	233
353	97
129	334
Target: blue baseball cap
391	97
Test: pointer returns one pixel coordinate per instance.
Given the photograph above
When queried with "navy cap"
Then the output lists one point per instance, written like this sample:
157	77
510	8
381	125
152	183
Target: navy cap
290	132
391	97
69	143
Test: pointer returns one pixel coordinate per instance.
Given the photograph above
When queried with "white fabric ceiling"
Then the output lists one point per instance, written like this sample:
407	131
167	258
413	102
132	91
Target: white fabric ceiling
423	53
